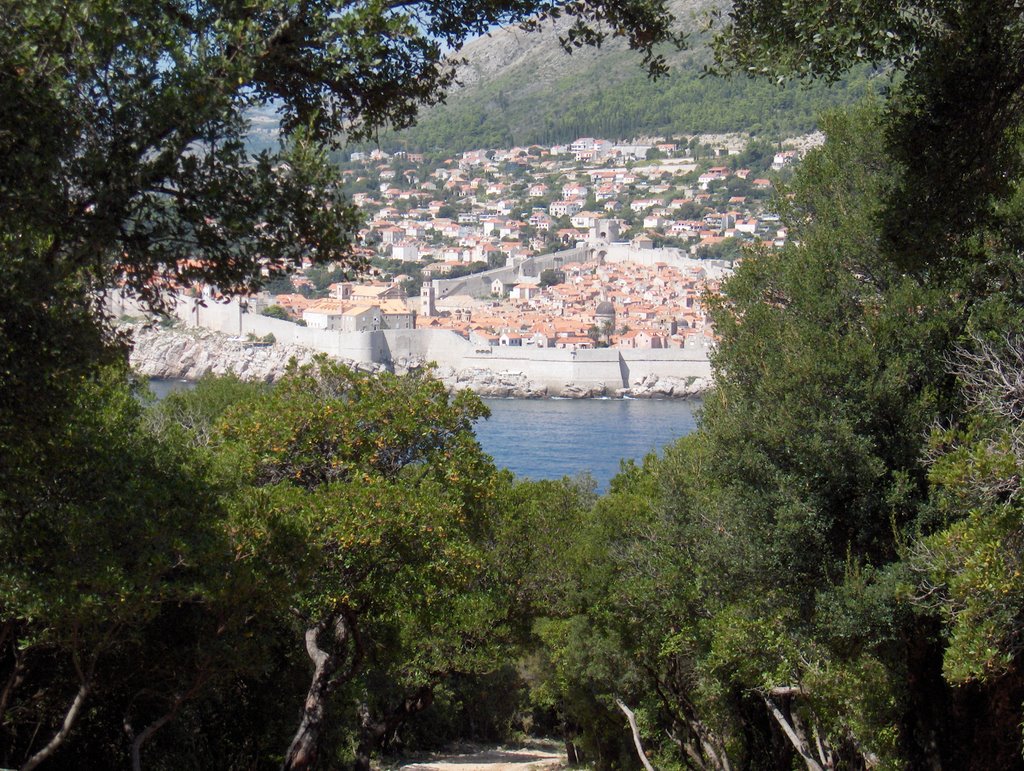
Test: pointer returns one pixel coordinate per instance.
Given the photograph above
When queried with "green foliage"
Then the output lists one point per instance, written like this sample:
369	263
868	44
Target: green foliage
971	569
551	277
157	487
103	164
535	531
147	558
322	277
236	508
728	249
116	577
808	561
276	312
327	423
953	122
829	370
468	269
818	383
768	561
414	270
388	491
807	573
194	415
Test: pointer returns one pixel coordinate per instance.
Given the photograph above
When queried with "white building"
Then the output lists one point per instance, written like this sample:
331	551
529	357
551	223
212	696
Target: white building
565	208
342	316
406	252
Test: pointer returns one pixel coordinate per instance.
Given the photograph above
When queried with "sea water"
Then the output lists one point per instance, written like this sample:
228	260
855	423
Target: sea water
552	438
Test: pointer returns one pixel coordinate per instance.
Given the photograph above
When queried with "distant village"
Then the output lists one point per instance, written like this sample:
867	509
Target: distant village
584	245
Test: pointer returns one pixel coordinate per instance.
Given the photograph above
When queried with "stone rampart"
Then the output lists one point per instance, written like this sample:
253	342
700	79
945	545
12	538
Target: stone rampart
479	284
537	371
607	369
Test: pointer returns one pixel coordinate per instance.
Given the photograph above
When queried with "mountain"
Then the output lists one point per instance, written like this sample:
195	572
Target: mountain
522	88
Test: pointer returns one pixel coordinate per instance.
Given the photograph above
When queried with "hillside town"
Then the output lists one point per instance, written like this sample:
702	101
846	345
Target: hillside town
638	233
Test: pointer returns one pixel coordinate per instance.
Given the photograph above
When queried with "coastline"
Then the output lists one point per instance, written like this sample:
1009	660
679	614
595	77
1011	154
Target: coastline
177	353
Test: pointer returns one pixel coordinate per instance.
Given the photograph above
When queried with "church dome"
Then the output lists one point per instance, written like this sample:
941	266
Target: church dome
605	308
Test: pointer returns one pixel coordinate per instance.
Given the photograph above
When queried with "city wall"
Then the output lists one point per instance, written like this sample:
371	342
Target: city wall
479	284
554	368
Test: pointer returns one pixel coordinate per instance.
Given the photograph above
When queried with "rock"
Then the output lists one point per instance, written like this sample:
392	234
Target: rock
655	387
445	374
190	354
494	384
574	391
665	386
695	387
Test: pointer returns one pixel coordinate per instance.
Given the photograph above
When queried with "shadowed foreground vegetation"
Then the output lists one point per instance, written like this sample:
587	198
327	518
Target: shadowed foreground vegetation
827	574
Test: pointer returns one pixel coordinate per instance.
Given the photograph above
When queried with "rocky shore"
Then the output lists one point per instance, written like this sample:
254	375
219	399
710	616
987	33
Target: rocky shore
189	354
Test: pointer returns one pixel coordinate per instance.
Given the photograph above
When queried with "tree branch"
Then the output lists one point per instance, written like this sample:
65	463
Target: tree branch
58	738
636	734
799	743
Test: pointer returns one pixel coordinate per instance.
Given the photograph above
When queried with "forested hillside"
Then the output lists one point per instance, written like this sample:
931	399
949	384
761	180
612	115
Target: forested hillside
520	89
614	99
828	574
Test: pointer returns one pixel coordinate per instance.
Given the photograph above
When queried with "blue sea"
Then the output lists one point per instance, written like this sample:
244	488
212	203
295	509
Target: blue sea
552	438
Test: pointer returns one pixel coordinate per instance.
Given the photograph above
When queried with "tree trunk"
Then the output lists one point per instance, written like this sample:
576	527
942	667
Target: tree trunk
175	706
701	745
375	733
570	752
13	681
305	747
65	729
716	754
636	734
573	756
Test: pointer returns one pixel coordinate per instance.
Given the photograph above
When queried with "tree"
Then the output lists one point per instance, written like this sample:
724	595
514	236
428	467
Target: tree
728	249
114	598
969	571
787	585
276	312
601	334
825	388
955	114
551	277
930	227
535	554
124	156
747	596
133	161
388	487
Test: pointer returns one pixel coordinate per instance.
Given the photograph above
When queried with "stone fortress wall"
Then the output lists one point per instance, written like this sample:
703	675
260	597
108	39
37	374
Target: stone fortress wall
547	370
594	249
479	284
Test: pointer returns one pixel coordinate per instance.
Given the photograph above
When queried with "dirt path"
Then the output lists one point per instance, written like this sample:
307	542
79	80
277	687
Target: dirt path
533	757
